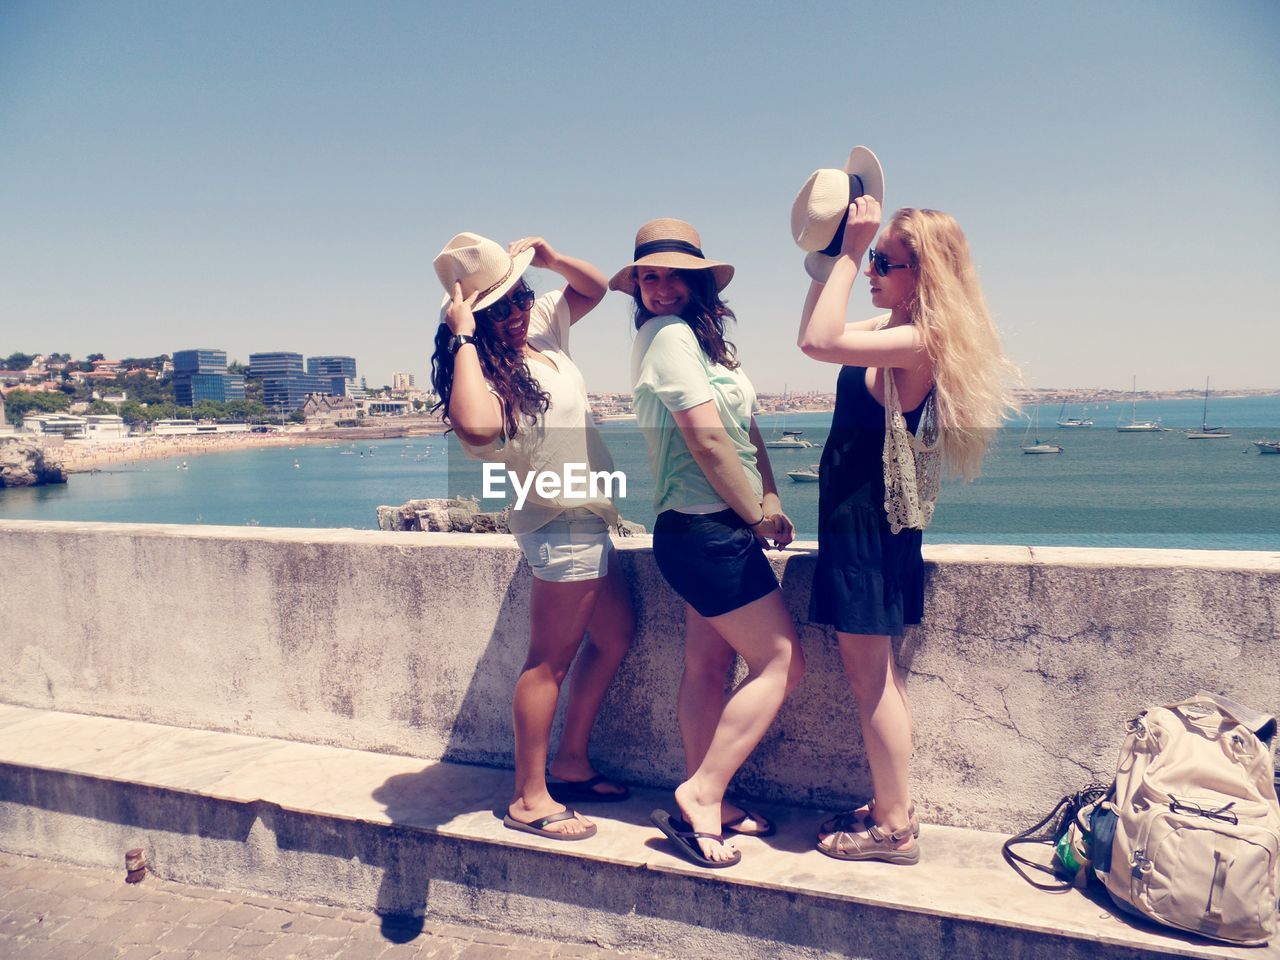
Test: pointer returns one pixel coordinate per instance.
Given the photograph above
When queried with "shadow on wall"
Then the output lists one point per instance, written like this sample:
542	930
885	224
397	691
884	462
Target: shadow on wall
440	792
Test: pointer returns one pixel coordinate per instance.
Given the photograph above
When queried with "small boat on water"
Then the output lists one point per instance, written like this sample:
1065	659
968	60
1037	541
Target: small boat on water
1039	446
1065	421
807	474
1207	432
1135	425
1267	446
790	440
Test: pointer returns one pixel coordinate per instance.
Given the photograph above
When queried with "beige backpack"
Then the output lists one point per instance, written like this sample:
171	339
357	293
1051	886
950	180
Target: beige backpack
1196	841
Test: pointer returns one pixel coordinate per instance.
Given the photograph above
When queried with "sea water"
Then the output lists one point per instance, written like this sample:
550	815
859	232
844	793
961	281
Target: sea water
1105	489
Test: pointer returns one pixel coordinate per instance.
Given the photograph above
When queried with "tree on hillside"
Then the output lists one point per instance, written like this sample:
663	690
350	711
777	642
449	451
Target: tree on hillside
94	356
142	388
208	410
133	412
247	410
20	402
17	361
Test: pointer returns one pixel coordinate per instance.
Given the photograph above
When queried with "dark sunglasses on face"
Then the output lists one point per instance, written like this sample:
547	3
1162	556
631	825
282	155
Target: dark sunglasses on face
881	265
521	296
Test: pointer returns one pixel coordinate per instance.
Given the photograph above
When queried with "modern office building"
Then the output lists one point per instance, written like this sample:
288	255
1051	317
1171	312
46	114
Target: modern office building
344	367
340	371
402	381
289	393
263	365
202	375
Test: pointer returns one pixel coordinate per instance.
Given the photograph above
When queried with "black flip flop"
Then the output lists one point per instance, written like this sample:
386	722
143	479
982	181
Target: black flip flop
539	827
584	791
731	826
686	842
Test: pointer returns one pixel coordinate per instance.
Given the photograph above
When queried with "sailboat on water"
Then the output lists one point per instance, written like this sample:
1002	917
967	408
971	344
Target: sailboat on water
1135	425
1039	446
1065	421
790	439
1207	432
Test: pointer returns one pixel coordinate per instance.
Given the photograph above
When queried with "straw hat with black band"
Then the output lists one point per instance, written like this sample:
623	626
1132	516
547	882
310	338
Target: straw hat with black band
821	208
667	242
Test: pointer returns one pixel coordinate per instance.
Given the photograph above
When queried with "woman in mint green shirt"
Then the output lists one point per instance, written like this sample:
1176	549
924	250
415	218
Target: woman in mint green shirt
717	509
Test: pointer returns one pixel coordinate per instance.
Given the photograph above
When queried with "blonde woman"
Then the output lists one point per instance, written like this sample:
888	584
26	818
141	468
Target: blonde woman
937	343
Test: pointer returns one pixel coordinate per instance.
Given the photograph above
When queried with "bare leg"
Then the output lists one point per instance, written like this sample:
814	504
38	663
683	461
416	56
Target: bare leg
764	636
609	634
558	615
707	660
885	715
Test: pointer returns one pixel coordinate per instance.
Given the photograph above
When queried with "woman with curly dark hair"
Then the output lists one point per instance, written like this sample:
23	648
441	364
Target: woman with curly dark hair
511	393
717	507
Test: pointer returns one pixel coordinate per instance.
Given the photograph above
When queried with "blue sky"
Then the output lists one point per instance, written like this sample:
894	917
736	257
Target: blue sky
278	176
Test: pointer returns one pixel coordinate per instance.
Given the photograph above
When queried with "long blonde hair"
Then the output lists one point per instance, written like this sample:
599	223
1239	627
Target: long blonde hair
972	377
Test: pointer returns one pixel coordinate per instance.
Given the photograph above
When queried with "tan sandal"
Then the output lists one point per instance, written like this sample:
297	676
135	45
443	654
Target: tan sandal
855	821
873	844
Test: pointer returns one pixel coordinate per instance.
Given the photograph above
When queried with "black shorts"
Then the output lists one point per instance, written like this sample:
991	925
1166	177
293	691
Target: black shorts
712	560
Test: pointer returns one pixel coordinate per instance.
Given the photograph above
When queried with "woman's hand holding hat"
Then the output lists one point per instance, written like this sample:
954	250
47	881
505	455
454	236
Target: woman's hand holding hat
860	230
543	255
458	314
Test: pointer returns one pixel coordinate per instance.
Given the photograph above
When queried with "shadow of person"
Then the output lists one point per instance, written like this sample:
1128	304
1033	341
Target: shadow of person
477	755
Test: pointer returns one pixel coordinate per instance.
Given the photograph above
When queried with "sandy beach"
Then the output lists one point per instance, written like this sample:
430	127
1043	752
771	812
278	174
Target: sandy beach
82	456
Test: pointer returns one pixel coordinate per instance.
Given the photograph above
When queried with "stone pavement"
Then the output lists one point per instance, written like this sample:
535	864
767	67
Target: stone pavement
57	912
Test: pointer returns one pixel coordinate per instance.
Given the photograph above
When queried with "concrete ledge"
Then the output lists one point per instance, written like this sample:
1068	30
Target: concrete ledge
1027	667
408	838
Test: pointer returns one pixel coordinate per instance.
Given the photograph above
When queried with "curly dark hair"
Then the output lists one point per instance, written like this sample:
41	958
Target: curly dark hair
504	367
705	313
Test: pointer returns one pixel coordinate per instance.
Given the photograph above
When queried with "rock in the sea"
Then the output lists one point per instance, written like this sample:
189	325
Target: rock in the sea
24	463
463	516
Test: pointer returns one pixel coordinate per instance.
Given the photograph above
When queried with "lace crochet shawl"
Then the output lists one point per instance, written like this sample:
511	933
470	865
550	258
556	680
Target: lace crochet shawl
912	462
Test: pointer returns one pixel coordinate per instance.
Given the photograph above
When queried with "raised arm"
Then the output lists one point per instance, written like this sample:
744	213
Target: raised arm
824	334
585	285
474	411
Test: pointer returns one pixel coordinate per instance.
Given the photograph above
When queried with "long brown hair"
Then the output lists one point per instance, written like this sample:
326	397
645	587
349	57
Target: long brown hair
705	313
504	367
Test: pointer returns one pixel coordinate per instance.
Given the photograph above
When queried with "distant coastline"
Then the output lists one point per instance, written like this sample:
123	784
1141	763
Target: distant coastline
86	457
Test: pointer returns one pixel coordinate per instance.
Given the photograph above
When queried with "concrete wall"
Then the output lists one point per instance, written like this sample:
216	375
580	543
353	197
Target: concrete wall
1021	679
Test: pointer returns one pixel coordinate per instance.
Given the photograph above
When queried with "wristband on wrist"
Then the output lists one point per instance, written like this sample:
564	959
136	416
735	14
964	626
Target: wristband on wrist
758	522
459	341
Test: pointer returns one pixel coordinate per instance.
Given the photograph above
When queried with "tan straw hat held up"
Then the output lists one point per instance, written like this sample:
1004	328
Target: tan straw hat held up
667	242
821	208
481	266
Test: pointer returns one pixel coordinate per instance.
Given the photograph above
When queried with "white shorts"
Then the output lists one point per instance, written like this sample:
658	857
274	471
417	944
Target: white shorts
574	546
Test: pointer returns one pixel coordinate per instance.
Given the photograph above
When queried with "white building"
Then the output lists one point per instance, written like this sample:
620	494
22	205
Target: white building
55	424
105	426
402	381
384	407
180	428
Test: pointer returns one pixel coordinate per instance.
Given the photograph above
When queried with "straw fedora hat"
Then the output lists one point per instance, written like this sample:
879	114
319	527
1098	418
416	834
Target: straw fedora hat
481	266
821	208
667	242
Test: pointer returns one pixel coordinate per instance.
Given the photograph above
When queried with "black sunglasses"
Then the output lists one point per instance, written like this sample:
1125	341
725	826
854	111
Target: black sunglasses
880	263
521	296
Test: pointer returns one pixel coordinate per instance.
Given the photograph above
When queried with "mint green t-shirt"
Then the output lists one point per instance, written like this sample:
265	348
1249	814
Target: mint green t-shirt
671	373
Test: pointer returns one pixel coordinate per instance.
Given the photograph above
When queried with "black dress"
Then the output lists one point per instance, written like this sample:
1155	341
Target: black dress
869	580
